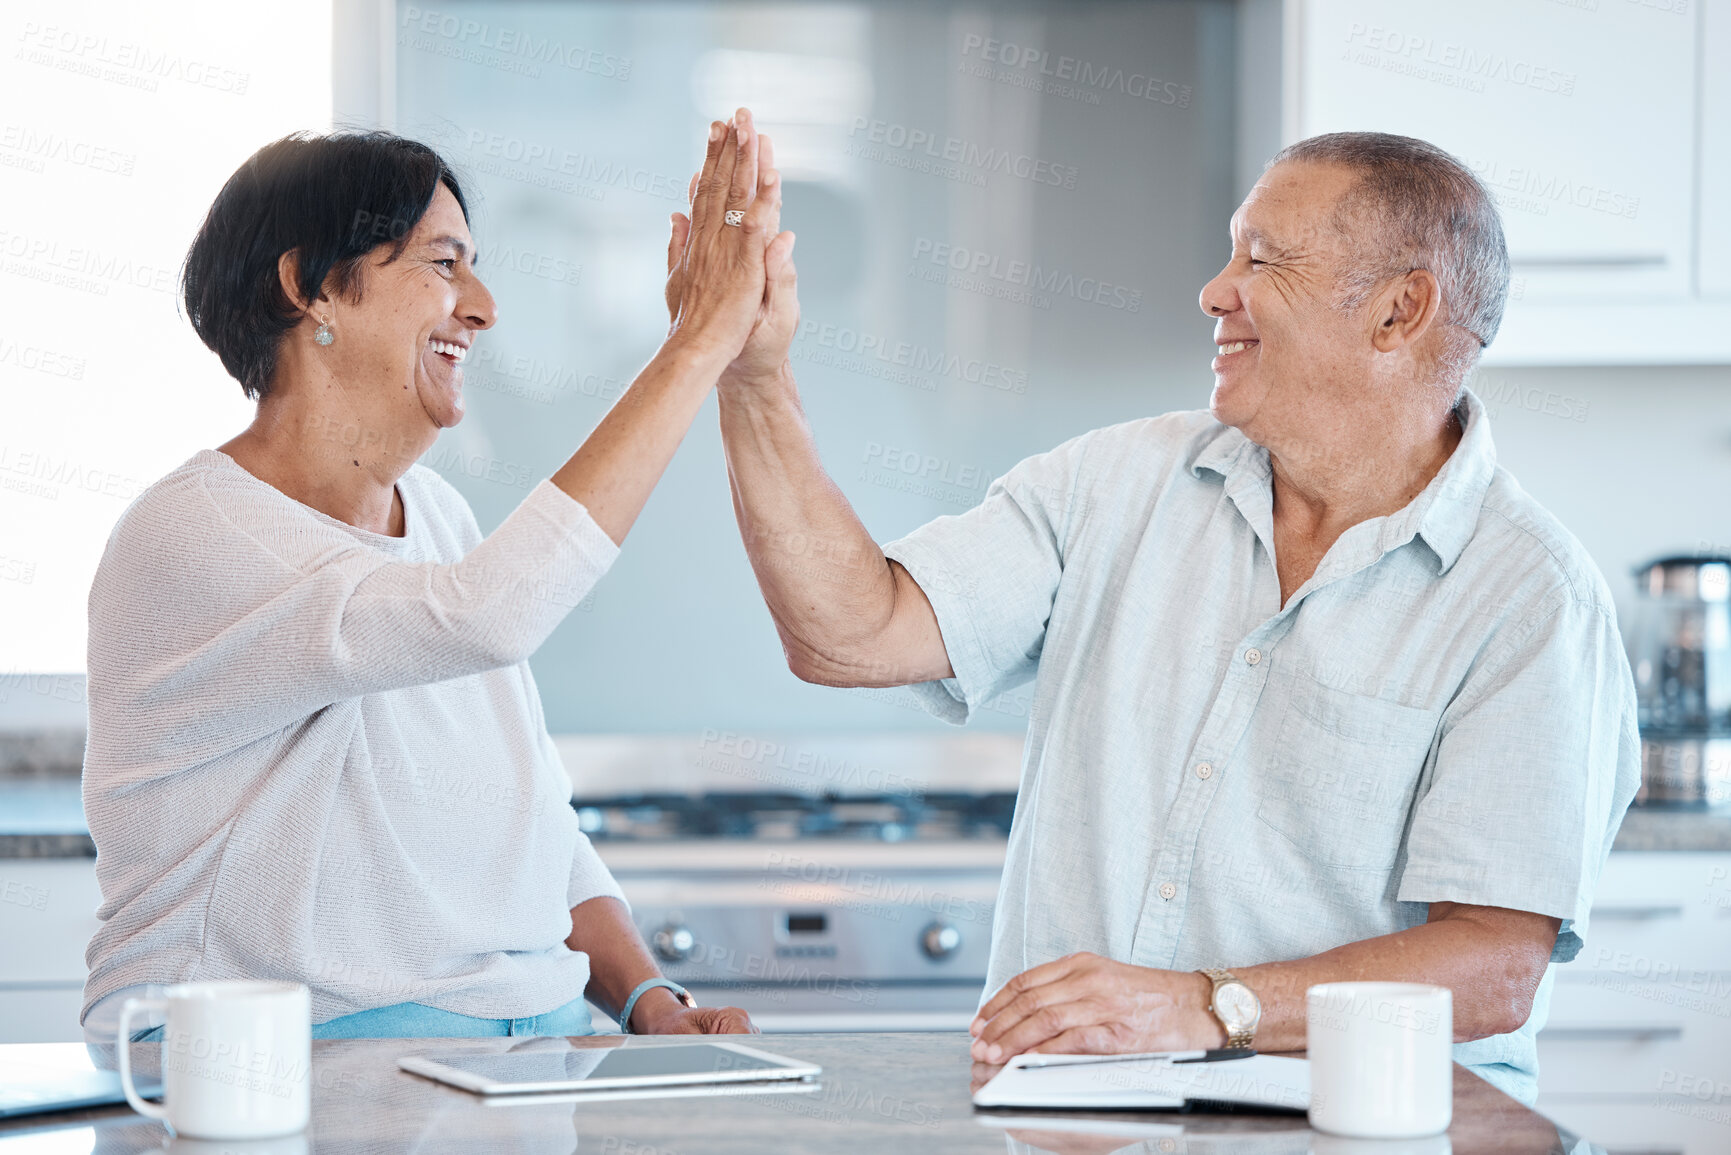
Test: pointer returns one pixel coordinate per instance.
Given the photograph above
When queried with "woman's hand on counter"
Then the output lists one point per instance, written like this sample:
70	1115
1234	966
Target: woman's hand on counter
1087	1004
619	961
658	1012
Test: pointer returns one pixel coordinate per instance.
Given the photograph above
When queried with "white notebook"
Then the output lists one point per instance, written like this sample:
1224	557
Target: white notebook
1163	1081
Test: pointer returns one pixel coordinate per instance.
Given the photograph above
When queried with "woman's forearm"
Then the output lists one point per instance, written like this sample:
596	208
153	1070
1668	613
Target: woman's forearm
617	467
618	960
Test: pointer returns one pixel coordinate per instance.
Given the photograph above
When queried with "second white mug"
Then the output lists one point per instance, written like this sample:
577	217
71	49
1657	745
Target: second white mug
1381	1059
236	1059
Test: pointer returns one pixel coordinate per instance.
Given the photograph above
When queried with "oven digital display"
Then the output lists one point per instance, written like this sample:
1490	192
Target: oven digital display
806	923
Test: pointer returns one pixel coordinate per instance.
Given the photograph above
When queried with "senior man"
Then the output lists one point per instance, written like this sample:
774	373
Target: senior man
1320	693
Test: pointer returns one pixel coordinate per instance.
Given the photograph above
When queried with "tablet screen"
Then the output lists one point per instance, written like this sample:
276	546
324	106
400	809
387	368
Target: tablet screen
608	1063
56	1077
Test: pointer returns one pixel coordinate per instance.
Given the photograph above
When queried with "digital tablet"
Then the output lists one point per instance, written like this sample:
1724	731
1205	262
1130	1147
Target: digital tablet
606	1068
37	1077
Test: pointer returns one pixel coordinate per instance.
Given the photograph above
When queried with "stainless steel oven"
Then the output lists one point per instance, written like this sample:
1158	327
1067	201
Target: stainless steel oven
814	913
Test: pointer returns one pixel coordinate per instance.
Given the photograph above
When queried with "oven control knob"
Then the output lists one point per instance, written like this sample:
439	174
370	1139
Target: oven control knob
940	940
674	942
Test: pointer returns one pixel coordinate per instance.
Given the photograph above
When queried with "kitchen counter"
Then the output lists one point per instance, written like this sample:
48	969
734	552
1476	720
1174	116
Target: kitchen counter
1674	829
43	817
877	1093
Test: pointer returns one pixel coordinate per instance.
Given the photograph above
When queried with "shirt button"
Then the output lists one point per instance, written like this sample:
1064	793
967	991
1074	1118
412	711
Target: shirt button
1253	655
1204	770
1167	890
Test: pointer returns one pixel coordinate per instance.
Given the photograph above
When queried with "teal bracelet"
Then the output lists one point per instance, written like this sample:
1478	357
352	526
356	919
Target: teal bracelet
644	988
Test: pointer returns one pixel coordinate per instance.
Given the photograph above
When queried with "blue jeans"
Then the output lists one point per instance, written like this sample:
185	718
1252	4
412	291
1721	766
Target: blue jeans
415	1021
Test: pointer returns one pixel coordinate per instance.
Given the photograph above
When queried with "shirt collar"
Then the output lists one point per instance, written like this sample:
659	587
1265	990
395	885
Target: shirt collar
1444	514
1447	512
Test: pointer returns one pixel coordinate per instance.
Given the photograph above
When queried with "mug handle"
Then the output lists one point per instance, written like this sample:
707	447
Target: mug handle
141	1105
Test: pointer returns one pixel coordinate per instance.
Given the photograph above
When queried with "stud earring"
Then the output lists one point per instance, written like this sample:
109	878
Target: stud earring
323	334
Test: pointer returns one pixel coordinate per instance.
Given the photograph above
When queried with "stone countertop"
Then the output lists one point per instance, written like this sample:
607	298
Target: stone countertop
43	817
878	1092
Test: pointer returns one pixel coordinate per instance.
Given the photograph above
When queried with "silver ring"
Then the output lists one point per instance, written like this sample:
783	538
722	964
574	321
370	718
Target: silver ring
733	217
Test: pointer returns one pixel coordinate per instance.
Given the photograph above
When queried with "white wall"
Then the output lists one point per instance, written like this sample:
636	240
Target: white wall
1635	461
119	121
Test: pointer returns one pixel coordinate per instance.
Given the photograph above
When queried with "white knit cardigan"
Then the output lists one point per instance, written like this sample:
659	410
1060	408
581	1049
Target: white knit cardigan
316	753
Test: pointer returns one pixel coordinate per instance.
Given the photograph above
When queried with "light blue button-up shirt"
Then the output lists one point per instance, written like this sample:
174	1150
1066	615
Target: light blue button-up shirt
1443	712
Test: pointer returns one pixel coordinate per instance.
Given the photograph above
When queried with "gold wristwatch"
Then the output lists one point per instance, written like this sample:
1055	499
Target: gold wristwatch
1235	1005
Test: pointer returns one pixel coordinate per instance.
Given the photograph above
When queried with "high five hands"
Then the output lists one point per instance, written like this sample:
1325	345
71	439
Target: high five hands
734	285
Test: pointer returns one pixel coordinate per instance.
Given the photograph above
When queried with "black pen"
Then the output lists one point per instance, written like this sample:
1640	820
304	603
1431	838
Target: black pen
1215	1056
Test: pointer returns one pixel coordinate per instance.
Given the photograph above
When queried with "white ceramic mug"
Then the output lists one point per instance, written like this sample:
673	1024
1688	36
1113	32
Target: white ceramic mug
1381	1059
236	1059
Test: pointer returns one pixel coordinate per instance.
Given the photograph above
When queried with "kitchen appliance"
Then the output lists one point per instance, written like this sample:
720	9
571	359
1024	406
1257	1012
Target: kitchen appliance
1680	649
814	912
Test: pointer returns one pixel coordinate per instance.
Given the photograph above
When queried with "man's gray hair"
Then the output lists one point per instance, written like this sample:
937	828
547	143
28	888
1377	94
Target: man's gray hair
1419	208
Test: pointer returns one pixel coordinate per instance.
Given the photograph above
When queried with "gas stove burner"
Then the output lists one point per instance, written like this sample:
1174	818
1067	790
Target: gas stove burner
871	817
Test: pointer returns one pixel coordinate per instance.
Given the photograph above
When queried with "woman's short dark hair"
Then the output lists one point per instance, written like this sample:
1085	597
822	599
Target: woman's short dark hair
331	199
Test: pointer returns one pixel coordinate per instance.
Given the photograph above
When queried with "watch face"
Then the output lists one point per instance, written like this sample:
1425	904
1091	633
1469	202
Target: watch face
1236	1006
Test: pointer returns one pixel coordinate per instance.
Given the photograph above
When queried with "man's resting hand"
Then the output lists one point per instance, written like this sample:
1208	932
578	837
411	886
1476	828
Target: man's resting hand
1086	1004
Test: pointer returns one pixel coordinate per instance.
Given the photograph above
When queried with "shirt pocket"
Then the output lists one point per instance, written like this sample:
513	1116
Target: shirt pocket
1339	783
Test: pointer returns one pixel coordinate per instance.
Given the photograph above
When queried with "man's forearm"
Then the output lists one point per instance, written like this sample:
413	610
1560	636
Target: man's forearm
1491	958
1493	975
827	584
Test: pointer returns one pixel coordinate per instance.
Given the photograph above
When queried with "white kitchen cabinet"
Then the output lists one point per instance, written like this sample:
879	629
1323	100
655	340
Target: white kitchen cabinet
42	1013
1643	1125
47	915
1595	123
1645	1008
1714	259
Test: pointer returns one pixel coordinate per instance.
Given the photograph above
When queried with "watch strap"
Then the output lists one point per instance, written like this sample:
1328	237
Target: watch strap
644	988
1238	1038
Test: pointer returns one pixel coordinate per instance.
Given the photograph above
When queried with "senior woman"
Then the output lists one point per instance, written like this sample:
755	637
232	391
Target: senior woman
316	752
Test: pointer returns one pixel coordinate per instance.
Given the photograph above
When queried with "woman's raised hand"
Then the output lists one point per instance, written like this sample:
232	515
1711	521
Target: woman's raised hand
716	271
